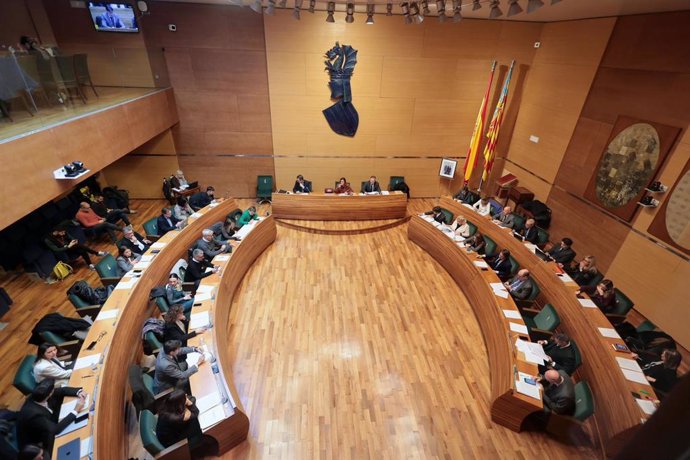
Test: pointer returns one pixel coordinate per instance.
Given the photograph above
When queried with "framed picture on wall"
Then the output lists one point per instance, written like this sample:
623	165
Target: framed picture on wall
448	168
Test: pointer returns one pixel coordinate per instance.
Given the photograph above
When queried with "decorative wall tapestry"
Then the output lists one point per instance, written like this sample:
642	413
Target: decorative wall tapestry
633	154
341	116
672	222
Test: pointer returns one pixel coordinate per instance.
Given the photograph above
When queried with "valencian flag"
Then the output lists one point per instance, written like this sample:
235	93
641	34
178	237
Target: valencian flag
494	128
473	151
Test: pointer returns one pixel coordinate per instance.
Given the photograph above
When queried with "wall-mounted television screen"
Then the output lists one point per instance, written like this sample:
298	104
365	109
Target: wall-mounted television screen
113	17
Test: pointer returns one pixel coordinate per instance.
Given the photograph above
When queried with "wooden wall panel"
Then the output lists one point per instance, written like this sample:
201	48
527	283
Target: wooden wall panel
15	21
141	175
97	140
230	176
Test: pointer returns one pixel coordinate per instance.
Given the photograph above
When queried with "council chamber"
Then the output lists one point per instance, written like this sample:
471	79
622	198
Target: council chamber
305	229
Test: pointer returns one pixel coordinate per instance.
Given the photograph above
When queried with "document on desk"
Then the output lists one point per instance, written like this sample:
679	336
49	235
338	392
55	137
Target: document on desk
222	257
212	416
198	320
634	376
468	206
530	246
203	296
126	284
609	332
501	293
480	264
648	407
519	328
109	314
196	215
385	192
74	426
147	257
512	314
205	288
141	265
528	389
68	407
86	447
497	286
630	364
535	352
565	278
86	361
587	303
208	401
158	245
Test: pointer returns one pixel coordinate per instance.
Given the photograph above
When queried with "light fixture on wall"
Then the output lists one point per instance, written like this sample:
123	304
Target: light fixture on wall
389	9
657	187
457	14
495	10
441	10
350	11
414	13
425	8
330	9
256	6
371	9
406	12
514	8
648	202
295	12
271	8
312	5
476	5
534	5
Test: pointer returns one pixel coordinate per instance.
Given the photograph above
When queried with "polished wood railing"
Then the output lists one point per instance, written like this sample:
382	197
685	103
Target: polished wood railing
320	206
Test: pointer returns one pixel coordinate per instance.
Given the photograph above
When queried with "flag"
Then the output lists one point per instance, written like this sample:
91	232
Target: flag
473	151
495	127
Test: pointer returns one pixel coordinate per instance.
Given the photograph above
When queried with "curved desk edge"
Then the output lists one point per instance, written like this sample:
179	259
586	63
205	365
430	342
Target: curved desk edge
319	206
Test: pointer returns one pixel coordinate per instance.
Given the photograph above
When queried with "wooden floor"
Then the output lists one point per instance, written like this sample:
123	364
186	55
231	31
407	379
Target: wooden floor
46	116
343	346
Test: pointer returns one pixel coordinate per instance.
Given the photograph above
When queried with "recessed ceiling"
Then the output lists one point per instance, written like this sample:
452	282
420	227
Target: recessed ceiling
564	10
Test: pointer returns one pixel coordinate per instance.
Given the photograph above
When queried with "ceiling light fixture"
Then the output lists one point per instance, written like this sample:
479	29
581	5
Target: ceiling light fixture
495	10
389	9
312	4
330	10
295	12
350	18
534	5
371	9
256	6
457	14
406	12
514	8
441	10
476	5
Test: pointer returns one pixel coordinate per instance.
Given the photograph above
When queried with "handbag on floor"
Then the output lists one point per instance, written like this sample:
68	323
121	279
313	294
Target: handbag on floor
61	271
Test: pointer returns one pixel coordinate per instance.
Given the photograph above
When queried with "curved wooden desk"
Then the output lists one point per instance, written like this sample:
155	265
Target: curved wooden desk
508	408
320	206
233	428
117	331
615	408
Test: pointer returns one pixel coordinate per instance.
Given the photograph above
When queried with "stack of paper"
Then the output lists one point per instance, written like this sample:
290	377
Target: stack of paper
499	290
108	314
534	352
199	320
222	257
147	257
126	283
468	206
587	303
519	328
211	416
609	332
647	406
208	401
385	192
528	389
68	407
196	215
565	278
530	246
626	363
512	314
86	361
142	265
204	293
634	376
158	245
74	426
480	264
193	358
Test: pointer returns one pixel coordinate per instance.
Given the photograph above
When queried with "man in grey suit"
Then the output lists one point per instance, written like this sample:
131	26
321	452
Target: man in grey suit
559	393
210	246
520	286
171	373
505	218
371	186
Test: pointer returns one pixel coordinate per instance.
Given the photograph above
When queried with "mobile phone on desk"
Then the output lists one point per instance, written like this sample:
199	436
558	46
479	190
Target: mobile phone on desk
530	380
155	251
92	345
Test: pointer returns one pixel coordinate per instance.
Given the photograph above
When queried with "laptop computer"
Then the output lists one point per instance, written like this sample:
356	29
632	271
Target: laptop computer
70	451
542	255
193	184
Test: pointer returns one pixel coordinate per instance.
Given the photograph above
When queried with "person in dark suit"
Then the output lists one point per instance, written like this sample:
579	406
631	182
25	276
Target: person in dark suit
196	268
520	286
559	392
37	423
603	295
176	326
585	271
501	264
31	452
301	185
563	253
561	353
505	218
223	231
172	372
66	247
134	241
529	232
178	420
372	186
166	222
662	374
202	199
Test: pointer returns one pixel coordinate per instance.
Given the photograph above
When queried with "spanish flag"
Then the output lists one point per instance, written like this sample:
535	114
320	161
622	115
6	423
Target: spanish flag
473	151
495	127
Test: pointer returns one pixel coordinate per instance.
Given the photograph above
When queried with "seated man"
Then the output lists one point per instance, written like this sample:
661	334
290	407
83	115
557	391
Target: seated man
202	199
505	218
529	232
209	246
560	352
37	422
178	181
196	268
482	206
372	186
134	241
501	264
224	231
563	253
247	216
559	392
110	215
438	215
171	372
89	219
176	296
520	286
301	185
66	247
167	222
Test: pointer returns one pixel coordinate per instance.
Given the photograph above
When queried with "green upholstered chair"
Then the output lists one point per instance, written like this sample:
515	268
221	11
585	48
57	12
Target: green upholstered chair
147	431
496	207
646	326
448	216
584	402
107	270
596	280
234	215
162	304
621	309
264	188
519	222
531	299
24	377
395	180
514	266
83	308
578	355
473	228
541	323
155	345
542	237
72	347
491	248
364	182
151	229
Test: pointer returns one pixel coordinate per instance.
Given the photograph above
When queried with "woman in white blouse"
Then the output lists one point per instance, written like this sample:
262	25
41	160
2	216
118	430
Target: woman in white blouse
48	366
483	207
460	227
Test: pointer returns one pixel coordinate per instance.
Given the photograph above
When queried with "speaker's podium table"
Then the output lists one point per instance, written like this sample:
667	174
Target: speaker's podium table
331	206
